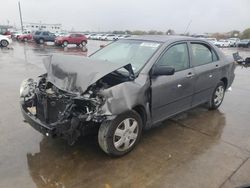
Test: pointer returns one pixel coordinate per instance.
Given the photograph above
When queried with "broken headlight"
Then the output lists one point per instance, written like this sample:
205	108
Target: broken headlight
27	88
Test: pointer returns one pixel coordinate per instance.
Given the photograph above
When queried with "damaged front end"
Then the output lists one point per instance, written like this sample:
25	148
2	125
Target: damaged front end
57	106
54	112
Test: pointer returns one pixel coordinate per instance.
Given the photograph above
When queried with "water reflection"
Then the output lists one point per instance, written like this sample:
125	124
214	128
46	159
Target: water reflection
160	151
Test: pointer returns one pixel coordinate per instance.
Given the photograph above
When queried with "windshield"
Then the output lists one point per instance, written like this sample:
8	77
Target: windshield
135	52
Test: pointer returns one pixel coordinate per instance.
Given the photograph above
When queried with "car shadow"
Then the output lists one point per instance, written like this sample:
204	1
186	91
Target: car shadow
160	151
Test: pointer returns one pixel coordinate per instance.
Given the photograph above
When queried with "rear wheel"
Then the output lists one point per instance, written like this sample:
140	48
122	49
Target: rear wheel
25	39
4	43
120	136
217	97
84	43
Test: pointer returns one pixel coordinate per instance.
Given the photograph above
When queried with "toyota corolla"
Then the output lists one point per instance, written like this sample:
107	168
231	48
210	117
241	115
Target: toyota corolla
127	86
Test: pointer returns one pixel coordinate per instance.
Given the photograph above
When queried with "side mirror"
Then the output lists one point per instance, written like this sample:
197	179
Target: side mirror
162	70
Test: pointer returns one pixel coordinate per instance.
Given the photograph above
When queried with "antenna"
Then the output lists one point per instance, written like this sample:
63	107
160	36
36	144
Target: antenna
189	23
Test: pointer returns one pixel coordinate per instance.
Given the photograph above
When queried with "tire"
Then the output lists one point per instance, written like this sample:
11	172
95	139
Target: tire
25	39
119	136
41	41
65	43
4	43
217	97
84	43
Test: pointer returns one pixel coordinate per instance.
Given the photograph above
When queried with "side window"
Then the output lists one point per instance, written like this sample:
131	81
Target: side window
45	33
176	57
202	54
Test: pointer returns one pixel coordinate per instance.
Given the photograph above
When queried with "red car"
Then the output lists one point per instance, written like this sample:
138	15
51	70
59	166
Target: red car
77	39
25	37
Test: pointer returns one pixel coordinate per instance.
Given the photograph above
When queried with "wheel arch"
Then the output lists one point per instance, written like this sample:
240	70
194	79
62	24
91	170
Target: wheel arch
142	112
225	81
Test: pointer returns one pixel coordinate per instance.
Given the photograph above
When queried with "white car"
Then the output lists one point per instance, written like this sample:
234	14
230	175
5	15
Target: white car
233	41
212	40
222	43
110	37
4	41
92	36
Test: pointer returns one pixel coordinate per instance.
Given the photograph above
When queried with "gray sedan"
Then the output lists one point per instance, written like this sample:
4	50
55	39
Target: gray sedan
125	87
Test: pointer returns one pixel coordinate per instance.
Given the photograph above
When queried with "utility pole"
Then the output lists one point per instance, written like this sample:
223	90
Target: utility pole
20	13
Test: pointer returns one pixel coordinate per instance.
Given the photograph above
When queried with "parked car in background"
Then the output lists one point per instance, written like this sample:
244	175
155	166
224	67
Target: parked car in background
245	43
25	37
222	43
212	40
87	35
99	36
92	36
43	36
78	39
233	41
4	41
110	37
122	36
15	35
125	87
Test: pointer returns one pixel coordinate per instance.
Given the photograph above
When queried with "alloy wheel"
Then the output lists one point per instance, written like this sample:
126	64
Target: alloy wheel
218	95
125	134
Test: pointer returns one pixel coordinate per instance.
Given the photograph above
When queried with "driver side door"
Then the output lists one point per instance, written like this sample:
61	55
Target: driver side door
172	94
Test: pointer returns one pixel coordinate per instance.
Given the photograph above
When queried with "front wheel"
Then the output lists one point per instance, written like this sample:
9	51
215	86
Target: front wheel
65	43
4	43
120	136
217	97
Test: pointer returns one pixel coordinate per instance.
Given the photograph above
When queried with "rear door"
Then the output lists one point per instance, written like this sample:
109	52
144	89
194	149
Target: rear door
206	67
173	93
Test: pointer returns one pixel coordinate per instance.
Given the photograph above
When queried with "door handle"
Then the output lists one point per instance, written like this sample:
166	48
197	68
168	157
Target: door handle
190	75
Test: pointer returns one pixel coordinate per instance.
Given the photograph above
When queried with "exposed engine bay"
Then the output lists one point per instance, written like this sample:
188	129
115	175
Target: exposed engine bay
71	114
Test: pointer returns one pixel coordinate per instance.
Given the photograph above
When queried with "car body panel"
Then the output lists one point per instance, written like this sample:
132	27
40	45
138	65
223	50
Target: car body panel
73	73
171	94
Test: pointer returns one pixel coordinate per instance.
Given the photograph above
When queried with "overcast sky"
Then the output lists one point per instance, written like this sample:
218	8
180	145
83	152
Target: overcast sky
107	15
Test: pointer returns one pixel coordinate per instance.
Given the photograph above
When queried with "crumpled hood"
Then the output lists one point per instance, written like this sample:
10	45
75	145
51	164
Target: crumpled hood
75	74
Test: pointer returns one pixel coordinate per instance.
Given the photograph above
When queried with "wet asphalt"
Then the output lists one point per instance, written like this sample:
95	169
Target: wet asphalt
198	148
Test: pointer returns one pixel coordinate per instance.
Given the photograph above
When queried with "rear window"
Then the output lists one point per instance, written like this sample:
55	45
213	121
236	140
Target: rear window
202	54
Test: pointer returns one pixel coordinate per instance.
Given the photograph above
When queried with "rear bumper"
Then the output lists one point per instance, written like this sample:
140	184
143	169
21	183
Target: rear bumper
45	129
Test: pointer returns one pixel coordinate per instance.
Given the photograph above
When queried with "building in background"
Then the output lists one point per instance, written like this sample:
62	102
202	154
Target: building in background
54	28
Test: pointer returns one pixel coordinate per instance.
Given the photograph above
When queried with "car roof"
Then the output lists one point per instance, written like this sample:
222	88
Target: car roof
162	38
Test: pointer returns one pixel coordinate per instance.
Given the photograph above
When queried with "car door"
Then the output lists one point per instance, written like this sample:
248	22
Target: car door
72	39
45	35
173	93
51	37
206	67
